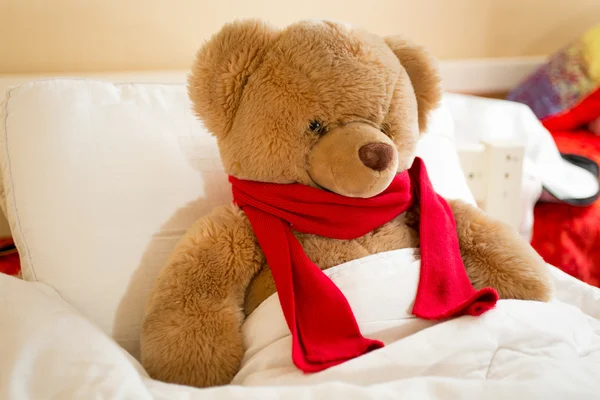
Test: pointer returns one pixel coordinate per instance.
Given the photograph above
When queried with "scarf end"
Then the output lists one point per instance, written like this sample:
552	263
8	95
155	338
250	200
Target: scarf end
475	305
317	361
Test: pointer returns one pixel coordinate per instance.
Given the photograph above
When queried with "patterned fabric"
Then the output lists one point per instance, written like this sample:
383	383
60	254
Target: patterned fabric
569	76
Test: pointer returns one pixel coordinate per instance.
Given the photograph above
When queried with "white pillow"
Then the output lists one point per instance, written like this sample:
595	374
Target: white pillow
101	180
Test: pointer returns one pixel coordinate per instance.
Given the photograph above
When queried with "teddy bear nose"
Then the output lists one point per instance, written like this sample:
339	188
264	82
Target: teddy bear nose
376	156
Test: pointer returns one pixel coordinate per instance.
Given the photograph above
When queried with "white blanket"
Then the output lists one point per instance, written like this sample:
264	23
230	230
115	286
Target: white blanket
524	350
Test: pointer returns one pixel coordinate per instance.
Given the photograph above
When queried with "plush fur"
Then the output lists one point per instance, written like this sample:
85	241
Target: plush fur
323	105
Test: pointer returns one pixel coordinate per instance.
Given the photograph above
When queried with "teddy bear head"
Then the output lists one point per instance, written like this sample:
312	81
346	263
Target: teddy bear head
316	103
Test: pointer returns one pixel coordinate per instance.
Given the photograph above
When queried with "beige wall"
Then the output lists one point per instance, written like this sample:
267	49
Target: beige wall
94	35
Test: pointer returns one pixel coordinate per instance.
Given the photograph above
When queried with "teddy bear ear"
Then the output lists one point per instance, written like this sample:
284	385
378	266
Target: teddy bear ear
221	69
423	73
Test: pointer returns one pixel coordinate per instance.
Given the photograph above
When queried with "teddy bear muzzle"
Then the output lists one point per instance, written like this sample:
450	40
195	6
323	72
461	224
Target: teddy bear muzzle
354	160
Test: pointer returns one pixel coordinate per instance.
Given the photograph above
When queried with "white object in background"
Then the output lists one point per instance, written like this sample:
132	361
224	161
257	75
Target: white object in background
473	163
504	172
493	171
480	120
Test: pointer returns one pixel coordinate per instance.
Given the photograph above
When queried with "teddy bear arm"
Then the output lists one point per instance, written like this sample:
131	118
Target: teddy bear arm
495	256
191	331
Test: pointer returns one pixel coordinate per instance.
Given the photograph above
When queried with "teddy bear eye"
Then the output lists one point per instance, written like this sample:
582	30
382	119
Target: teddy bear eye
317	127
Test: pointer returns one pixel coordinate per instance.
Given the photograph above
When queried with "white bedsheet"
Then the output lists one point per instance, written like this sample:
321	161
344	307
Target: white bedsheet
523	350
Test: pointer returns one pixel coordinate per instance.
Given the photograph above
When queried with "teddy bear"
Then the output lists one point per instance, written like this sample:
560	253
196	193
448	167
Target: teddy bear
316	122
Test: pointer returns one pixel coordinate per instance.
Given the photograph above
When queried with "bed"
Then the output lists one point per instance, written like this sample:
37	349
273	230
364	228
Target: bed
101	177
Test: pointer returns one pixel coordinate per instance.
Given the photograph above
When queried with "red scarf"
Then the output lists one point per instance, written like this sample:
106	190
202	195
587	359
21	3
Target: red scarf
324	330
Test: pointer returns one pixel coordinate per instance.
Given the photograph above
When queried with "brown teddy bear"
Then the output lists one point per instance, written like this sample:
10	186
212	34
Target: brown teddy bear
333	113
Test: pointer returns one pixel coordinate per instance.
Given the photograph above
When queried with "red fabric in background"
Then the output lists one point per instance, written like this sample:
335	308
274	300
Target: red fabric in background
9	260
564	235
577	117
569	236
